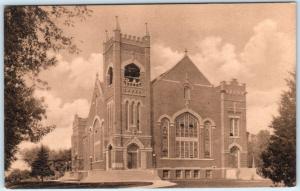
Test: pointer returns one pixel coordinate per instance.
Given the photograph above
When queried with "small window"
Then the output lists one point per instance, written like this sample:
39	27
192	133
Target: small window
178	174
166	174
208	174
188	174
196	174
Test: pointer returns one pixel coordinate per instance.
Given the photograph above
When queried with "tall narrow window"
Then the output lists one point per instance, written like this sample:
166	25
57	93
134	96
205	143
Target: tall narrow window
110	117
187	93
234	127
127	115
165	137
110	76
97	141
131	113
186	126
207	129
138	110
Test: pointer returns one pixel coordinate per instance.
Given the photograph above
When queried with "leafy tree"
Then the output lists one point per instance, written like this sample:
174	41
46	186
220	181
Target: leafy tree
29	155
40	166
279	158
17	175
58	159
31	33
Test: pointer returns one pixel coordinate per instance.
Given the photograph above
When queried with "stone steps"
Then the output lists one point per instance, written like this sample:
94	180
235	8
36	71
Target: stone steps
121	176
243	174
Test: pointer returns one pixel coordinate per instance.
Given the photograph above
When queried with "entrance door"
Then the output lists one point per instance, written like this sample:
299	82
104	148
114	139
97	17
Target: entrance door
234	157
132	156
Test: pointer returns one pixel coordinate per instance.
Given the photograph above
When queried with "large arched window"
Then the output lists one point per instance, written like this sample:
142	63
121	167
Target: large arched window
186	136
165	137
110	76
97	141
132	73
207	139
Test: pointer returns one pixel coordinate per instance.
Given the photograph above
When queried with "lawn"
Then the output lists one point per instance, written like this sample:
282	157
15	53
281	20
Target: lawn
221	183
56	184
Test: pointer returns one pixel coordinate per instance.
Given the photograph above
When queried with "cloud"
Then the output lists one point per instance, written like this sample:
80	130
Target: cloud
269	55
162	59
80	71
262	64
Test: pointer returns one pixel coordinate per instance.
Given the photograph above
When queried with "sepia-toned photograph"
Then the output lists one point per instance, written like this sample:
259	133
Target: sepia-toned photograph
150	95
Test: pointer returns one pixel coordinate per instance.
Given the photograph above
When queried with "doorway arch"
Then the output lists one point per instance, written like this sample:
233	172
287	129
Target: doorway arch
234	157
132	156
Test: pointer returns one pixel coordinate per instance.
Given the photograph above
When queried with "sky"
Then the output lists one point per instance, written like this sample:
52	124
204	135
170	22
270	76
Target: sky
254	43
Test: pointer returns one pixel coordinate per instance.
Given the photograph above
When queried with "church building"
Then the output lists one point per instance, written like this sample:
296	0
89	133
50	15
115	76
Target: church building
179	124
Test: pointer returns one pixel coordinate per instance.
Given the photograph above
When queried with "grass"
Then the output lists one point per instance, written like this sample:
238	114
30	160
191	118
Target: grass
221	183
56	184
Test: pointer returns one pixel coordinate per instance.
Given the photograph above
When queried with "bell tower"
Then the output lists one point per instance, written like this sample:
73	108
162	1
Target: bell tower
126	73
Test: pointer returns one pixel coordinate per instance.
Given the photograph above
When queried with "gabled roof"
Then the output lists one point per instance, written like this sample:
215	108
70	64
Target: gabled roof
185	68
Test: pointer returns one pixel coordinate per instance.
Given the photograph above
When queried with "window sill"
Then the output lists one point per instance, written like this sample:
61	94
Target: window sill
234	137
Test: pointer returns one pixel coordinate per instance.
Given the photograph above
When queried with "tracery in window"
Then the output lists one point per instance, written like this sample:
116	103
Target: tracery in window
165	137
186	145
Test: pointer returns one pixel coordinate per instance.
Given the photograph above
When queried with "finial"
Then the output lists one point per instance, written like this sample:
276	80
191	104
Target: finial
185	52
106	35
147	32
117	24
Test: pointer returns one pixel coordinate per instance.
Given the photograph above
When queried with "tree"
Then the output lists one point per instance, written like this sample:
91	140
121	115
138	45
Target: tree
59	160
279	158
30	35
40	166
29	155
17	175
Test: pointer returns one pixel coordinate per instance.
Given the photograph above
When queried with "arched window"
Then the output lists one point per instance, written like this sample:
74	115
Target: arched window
207	141
234	127
187	93
97	141
165	137
127	115
132	73
138	110
110	76
131	113
186	136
